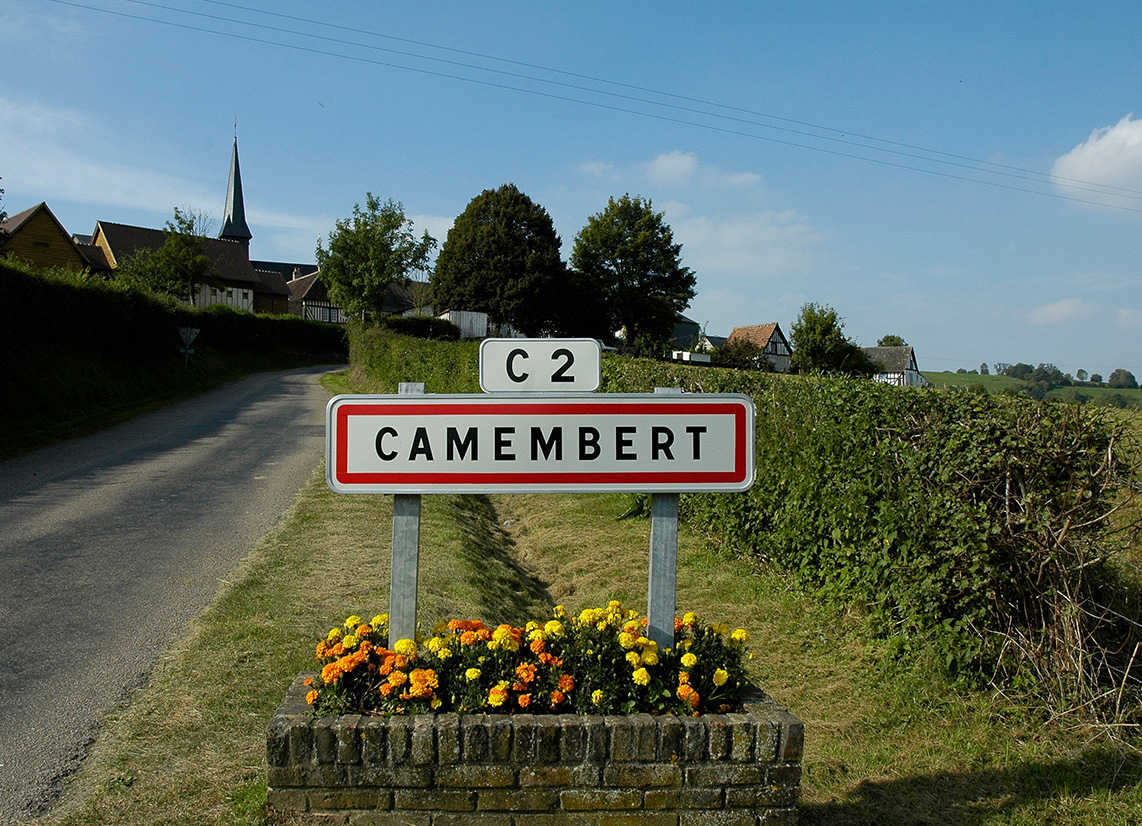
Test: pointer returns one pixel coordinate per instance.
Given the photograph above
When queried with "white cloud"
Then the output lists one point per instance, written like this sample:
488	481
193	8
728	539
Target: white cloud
598	169
1131	319
672	168
1111	158
1067	309
750	248
731	179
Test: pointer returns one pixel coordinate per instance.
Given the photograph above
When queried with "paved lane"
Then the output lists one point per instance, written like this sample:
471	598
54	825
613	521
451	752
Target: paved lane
111	543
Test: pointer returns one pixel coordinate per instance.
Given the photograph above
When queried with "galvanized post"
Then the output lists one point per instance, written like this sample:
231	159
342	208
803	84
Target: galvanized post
406	553
663	579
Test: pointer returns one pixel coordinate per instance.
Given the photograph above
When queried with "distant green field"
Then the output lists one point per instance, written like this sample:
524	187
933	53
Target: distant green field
997	384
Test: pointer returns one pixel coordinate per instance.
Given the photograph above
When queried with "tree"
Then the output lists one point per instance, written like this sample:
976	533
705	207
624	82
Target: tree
1081	375
1096	378
179	267
502	257
983	369
820	345
891	341
368	253
1122	379
627	254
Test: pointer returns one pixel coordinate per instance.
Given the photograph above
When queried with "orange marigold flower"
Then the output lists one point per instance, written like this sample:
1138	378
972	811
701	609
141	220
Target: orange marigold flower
398	678
537	645
311	697
524	700
484	634
386	689
557	697
526	672
307	681
566	682
363	629
469	638
677	624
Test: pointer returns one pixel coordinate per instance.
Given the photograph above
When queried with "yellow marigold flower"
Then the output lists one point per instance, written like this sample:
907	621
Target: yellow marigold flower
353	622
683	677
645	642
380	621
334	634
589	616
720	677
626	640
560	612
739	636
398	678
689	660
650	657
614	606
406	647
440	627
721	627
602	625
689	619
436	702
434	644
641	676
553	628
498	694
597	696
634	659
444	653
349	641
473	674
311	697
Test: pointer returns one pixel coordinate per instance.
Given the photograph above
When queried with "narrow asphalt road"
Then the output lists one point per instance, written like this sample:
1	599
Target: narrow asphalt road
111	543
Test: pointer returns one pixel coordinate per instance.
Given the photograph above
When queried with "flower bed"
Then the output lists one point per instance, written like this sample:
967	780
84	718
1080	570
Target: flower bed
603	729
599	662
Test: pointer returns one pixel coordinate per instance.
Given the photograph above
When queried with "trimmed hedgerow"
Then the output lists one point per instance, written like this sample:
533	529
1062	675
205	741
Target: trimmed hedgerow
973	526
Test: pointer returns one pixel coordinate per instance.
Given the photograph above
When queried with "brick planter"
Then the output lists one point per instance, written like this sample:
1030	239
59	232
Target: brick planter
533	770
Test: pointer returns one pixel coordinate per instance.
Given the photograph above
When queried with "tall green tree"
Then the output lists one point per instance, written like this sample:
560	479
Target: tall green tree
502	258
179	267
627	255
369	252
1123	379
892	341
820	345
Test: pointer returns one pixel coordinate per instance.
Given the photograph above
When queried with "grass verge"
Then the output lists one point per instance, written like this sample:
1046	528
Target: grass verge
885	745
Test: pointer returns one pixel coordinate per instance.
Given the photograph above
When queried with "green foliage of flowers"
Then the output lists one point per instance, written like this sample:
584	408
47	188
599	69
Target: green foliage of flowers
598	662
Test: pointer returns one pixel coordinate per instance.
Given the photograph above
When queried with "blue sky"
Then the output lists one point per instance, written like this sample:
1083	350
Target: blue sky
967	175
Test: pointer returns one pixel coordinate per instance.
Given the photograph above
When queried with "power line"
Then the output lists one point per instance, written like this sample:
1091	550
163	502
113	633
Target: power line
1107	189
595	104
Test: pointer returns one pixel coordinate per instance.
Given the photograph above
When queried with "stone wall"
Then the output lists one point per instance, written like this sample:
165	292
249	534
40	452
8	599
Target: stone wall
534	770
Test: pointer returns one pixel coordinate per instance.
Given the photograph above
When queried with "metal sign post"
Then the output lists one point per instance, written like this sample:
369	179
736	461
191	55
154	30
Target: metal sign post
406	553
662	585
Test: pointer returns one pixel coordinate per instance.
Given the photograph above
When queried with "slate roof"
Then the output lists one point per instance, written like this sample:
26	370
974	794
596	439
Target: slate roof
228	258
893	359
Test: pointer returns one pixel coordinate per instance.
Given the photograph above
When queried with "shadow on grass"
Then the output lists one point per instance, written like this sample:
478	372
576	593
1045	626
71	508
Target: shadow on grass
975	798
505	590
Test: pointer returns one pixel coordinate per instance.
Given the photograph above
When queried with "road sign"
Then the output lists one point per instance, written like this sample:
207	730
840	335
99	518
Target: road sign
541	444
540	365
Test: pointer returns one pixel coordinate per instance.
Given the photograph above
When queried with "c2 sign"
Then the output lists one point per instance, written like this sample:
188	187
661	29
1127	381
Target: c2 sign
540	365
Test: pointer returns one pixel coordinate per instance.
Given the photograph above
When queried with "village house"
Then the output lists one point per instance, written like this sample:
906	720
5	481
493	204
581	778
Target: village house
770	342
897	366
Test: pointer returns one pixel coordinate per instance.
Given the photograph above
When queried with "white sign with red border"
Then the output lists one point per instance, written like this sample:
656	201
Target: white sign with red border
539	443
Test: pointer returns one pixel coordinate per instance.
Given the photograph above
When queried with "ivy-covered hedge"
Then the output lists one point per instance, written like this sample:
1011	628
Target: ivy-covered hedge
972	526
975	526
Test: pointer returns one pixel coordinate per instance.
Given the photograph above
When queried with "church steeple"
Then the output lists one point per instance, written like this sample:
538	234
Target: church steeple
234	226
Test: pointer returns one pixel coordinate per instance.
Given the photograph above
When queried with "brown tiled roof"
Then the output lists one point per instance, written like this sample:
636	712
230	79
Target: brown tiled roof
758	334
299	287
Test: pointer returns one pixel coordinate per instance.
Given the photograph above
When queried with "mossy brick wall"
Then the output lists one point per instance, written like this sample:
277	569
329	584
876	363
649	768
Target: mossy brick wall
534	770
